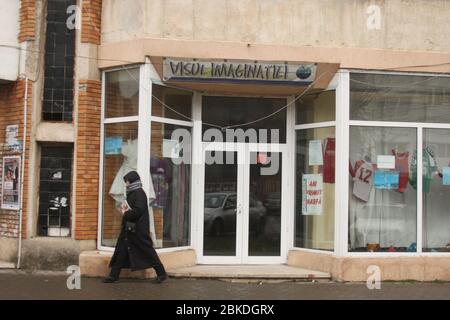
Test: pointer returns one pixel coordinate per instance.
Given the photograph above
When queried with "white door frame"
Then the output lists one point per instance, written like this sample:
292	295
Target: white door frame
243	189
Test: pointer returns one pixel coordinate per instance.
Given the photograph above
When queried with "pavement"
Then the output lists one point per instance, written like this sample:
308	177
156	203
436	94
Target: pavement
17	284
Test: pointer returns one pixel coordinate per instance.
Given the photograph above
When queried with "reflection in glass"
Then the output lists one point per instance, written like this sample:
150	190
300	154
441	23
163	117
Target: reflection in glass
264	206
383	199
315	188
316	107
436	190
219	235
384	97
170	171
120	157
122	93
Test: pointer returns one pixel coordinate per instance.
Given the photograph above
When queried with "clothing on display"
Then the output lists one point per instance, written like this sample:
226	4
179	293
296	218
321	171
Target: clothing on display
329	160
362	175
430	168
129	152
401	165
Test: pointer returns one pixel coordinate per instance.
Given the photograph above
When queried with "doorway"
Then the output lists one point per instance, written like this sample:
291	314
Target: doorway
243	213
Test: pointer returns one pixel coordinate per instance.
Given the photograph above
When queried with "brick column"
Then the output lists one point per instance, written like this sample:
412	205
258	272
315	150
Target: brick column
87	159
11	113
27	20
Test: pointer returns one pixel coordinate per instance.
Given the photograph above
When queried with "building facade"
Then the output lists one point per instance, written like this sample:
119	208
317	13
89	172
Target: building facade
265	132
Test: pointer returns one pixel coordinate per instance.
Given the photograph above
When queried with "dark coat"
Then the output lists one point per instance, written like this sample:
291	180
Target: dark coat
135	250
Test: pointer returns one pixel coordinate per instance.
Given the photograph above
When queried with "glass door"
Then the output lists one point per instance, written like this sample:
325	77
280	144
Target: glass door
242	214
263	204
222	199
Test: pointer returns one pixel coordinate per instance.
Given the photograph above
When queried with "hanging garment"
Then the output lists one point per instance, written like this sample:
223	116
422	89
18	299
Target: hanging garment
328	160
362	179
401	165
429	168
129	152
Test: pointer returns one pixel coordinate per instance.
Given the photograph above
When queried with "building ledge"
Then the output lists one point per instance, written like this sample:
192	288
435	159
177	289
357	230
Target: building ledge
95	263
55	132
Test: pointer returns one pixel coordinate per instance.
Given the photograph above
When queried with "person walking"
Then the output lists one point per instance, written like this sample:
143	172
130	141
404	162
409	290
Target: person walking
134	249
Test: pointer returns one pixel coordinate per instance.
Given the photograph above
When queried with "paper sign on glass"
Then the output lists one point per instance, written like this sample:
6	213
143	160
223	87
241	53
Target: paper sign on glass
385	162
446	176
386	179
113	145
315	153
312	195
171	149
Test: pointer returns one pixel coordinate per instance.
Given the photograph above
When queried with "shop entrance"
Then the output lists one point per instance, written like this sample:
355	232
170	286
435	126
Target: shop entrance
243	209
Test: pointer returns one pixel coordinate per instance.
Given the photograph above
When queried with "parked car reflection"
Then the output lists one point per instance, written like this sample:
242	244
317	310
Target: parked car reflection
220	214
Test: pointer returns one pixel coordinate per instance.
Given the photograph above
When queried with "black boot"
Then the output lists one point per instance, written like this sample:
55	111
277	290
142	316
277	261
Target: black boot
110	280
159	279
113	276
161	274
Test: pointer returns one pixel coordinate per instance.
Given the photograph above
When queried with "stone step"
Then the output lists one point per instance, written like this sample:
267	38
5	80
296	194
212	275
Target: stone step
249	272
7	265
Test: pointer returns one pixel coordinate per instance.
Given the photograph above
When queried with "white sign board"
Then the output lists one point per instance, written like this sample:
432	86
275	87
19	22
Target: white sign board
385	162
312	195
315	153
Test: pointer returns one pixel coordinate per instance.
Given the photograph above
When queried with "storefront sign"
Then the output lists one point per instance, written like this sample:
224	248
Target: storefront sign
10	183
312	196
385	162
238	71
315	153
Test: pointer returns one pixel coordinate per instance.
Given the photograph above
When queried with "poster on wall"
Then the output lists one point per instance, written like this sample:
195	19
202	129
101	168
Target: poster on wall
11	141
10	183
315	153
312	195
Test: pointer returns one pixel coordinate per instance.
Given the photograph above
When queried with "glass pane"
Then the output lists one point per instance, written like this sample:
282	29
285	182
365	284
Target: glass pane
315	179
383	198
436	190
409	98
170	168
120	157
231	111
316	107
265	204
219	236
171	103
122	93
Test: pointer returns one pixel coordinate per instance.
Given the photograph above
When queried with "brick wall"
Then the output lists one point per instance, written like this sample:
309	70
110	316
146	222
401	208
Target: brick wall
87	157
11	113
27	20
91	21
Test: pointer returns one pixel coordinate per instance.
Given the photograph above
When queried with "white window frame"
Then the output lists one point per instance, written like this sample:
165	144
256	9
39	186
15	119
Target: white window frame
147	76
419	126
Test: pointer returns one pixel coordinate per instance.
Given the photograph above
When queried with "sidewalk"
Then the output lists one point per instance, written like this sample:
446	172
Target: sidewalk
52	285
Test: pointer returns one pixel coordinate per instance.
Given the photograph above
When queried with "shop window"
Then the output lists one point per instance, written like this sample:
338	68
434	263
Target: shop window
171	103
316	107
380	97
122	93
315	187
120	157
55	191
382	194
257	117
436	190
170	190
